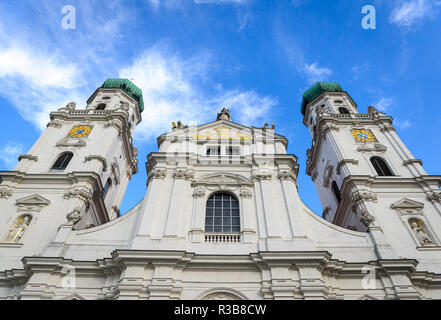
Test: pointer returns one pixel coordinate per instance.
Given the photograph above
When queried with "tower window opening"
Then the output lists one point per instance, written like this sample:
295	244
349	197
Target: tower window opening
101	106
214	151
381	167
222	214
336	191
63	161
106	188
233	151
343	110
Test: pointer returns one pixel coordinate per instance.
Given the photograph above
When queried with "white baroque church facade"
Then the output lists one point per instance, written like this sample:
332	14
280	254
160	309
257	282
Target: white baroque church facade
222	218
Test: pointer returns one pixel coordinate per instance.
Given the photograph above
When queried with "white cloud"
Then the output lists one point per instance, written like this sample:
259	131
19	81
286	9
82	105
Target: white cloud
9	154
315	73
384	103
403	125
39	70
412	12
173	90
221	1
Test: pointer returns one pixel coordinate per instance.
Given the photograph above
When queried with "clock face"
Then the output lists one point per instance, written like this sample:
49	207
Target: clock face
80	131
363	135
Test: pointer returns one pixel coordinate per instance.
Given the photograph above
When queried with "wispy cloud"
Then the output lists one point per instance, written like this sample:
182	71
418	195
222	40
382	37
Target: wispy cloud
316	73
412	12
384	103
9	154
173	90
222	1
402	124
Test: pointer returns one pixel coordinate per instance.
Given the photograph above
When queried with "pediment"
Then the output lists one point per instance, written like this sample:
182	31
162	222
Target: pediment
219	130
33	202
222	133
223	179
407	204
74	296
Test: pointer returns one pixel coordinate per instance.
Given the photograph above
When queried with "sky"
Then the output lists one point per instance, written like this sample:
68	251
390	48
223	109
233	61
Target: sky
192	57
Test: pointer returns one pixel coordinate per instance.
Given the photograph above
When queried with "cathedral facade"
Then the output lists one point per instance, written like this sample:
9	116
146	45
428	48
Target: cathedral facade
221	218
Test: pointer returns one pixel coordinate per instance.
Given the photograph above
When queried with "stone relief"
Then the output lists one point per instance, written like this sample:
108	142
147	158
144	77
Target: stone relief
376	147
71	142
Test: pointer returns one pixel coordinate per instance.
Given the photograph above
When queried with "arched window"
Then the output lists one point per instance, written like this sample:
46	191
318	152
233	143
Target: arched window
101	106
381	167
106	188
63	161
343	110
336	191
222	214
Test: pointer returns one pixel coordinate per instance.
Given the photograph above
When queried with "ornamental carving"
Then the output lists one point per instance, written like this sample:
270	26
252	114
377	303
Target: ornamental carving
99	158
434	197
55	124
387	127
27	157
287	175
364	196
81	193
158	173
199	192
117	124
343	162
246	192
261	176
327	175
6	192
225	181
183	174
71	142
366	218
376	147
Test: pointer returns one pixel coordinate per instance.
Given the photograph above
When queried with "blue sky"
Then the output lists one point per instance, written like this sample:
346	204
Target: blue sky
191	57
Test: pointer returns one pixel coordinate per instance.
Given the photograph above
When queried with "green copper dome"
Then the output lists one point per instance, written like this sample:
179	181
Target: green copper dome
128	87
316	90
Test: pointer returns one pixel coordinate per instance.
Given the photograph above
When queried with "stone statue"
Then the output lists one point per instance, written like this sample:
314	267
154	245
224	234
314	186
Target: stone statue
17	231
71	106
423	238
224	115
74	217
179	125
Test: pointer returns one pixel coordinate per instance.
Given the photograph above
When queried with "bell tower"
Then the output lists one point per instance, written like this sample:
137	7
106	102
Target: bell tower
366	178
78	170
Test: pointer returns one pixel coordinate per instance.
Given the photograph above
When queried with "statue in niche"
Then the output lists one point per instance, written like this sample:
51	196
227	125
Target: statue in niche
17	231
421	234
